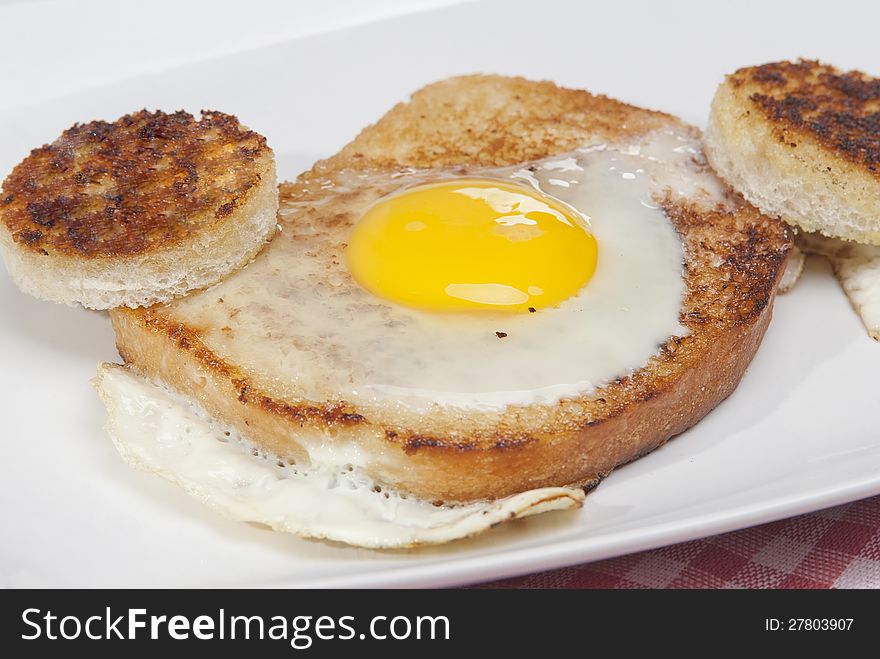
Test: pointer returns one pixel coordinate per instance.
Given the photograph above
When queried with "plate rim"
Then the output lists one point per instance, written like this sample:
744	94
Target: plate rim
460	572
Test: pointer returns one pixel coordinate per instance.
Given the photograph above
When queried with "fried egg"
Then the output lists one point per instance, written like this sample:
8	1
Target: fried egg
460	290
474	290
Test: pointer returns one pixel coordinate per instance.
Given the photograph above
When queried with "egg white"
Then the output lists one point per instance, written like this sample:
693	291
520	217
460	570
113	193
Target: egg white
156	430
326	338
857	267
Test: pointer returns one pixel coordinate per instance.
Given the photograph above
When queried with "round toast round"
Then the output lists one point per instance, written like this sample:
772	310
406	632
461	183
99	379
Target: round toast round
801	141
734	257
137	211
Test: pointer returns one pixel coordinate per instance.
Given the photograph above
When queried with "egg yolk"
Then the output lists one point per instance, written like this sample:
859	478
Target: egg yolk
472	244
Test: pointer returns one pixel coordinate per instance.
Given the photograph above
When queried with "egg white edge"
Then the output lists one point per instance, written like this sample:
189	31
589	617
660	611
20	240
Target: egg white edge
147	440
794	267
857	268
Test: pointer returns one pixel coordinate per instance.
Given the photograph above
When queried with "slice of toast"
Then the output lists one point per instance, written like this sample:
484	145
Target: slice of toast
801	141
734	259
137	211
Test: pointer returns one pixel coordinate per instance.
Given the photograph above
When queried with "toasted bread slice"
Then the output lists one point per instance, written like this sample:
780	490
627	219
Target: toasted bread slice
138	211
801	141
734	259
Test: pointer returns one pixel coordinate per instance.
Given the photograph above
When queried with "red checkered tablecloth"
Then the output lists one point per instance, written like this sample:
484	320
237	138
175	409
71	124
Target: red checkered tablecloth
833	548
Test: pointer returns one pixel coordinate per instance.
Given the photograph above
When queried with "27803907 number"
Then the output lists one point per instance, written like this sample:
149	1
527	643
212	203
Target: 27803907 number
808	624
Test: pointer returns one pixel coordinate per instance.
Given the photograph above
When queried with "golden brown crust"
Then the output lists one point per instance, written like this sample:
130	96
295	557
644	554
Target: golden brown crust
840	111
146	181
733	261
480	121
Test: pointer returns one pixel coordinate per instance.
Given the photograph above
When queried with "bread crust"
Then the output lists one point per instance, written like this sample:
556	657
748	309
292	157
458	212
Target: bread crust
734	258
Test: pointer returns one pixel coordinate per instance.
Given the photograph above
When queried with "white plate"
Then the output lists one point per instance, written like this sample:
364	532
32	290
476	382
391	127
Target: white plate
800	433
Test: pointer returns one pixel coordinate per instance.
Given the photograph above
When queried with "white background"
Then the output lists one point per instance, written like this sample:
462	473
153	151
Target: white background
800	432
